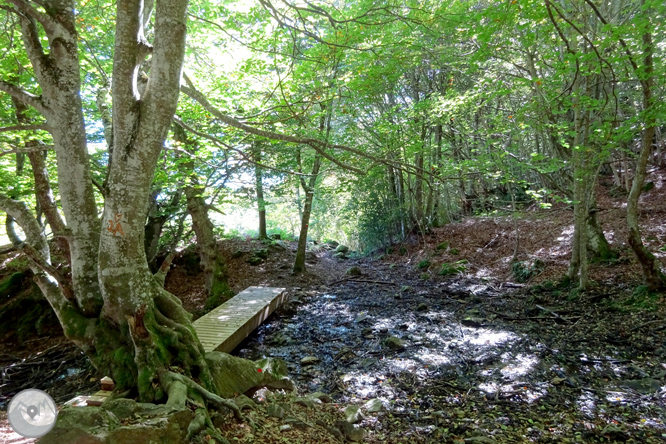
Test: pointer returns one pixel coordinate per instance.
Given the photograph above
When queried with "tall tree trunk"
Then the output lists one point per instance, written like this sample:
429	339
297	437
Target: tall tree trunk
259	183
309	189
652	275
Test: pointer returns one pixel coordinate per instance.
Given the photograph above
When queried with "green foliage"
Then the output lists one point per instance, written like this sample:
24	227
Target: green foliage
424	264
523	270
453	268
443	246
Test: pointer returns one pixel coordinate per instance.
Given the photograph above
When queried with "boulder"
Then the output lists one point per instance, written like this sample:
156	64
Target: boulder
373	406
353	414
394	343
342	249
354	271
234	376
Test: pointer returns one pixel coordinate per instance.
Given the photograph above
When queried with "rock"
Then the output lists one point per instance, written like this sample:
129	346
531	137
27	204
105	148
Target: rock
337	434
244	403
481	440
472	322
373	406
297	423
311	256
277	247
254	260
238	253
122	408
342	249
645	385
285	427
275	411
360	317
333	243
394	343
354	271
233	376
350	431
310	360
353	414
308	403
323	397
95	425
422	307
341	256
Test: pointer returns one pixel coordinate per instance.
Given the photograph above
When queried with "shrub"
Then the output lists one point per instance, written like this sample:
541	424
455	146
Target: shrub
524	271
453	268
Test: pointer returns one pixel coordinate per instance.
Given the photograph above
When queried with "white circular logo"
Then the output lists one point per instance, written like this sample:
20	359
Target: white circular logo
32	413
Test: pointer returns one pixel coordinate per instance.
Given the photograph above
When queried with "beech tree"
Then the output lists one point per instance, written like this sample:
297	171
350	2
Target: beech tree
112	306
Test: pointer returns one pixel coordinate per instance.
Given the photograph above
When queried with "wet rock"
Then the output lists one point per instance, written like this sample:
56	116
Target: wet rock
422	307
350	431
310	360
354	271
323	397
275	411
373	406
645	385
353	414
297	423
342	249
394	343
472	322
285	427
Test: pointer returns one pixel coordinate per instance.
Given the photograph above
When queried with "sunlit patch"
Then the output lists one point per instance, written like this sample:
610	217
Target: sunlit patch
521	365
616	397
483	336
586	404
429	357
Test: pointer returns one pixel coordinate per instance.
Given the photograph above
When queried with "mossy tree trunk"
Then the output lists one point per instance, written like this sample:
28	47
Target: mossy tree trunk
259	183
113	307
212	262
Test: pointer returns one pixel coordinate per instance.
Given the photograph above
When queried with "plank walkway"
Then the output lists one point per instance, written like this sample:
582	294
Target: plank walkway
226	326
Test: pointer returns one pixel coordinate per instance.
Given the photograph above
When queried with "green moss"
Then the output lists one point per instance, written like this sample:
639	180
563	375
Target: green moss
12	285
443	246
424	264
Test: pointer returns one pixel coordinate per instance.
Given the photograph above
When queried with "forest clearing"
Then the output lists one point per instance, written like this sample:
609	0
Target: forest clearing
441	221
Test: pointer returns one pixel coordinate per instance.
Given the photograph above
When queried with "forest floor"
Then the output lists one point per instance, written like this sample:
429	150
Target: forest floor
470	356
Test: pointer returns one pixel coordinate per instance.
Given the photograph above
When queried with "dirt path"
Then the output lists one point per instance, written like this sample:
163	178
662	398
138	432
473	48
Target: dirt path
474	361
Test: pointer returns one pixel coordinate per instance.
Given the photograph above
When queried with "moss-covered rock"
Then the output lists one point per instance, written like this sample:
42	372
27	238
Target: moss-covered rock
234	376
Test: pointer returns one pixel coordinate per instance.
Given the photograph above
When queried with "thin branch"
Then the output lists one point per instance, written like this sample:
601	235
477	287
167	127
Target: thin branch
34	127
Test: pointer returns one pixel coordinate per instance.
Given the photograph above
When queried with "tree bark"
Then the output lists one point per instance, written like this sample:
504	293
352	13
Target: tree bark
261	203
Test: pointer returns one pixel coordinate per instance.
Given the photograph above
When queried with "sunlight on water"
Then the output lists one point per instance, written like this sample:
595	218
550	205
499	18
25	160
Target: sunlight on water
489	337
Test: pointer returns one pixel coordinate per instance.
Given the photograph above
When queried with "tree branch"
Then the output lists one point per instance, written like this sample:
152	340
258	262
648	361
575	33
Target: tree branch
24	96
33	127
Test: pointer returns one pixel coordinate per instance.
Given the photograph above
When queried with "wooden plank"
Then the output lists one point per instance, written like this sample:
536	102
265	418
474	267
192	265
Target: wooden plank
226	326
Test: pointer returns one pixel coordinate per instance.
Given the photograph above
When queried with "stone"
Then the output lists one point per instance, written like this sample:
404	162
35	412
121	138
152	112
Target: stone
422	307
373	406
354	271
340	256
310	360
233	376
353	414
333	243
308	403
244	403
645	385
285	427
261	252
323	397
96	425
254	260
297	423
238	253
350	431
394	343
342	249
275	411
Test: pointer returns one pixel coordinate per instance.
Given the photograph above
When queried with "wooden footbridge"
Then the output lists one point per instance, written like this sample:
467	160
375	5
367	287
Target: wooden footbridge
227	325
221	329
